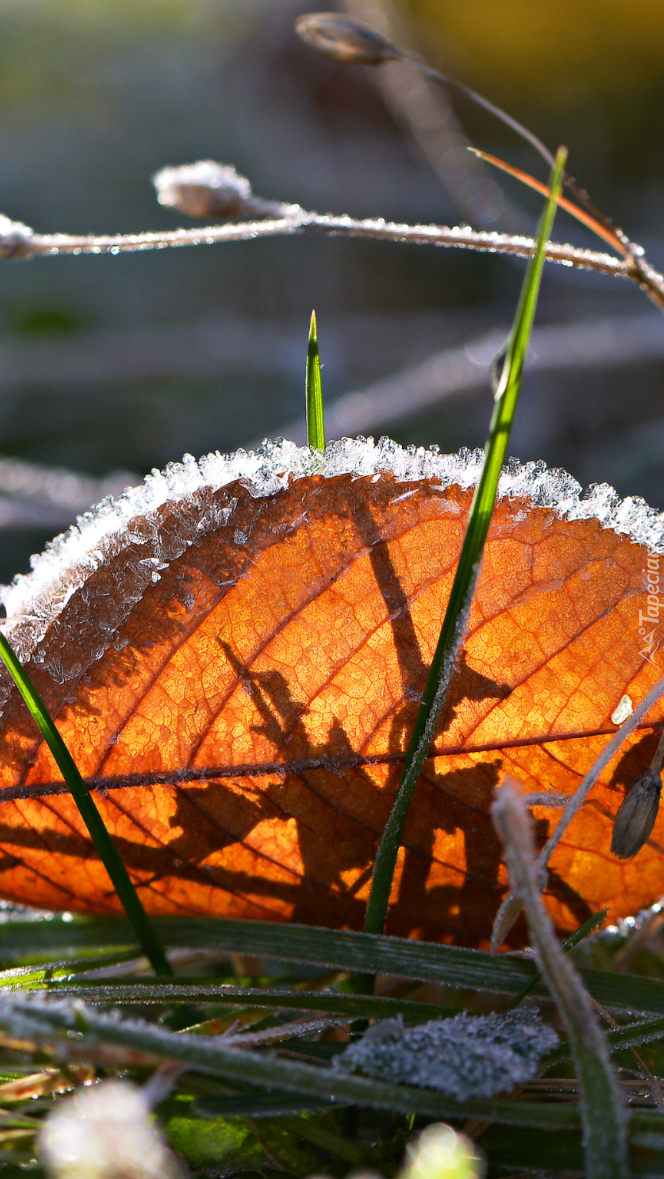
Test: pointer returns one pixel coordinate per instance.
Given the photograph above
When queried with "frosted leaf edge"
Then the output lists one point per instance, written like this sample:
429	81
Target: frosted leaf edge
34	600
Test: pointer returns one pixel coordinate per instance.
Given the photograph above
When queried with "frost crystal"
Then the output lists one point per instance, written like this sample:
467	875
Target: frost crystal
203	189
185	492
467	1056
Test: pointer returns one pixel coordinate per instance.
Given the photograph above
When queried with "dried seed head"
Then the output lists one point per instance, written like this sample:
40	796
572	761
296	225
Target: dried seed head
345	39
209	189
204	189
636	817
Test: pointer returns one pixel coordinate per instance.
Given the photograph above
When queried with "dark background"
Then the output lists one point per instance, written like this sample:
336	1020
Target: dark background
118	364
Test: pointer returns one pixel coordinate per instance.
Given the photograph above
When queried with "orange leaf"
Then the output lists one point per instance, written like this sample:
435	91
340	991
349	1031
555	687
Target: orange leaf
234	654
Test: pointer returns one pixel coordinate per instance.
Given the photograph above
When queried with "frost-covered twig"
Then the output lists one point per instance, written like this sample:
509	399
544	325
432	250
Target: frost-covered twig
217	190
352	41
18	241
579	797
285	1031
603	1111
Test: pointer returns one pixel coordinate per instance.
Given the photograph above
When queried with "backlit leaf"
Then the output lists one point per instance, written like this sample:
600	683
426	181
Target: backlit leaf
234	654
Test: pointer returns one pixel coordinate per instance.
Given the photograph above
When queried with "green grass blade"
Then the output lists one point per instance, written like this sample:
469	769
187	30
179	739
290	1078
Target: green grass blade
259	1103
315	417
644	1031
208	1055
347	950
631	1035
31	977
451	635
134	991
106	850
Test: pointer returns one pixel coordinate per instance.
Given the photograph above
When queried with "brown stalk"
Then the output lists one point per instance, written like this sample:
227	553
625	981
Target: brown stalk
602	1105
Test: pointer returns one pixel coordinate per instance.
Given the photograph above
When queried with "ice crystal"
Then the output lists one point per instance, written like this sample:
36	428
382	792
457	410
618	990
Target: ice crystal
186	492
203	189
467	1056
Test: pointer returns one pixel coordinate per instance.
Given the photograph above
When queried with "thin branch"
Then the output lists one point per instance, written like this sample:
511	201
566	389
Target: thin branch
19	242
579	797
348	40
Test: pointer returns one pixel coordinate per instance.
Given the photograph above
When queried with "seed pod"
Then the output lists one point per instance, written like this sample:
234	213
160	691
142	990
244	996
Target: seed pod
14	238
636	817
345	39
209	189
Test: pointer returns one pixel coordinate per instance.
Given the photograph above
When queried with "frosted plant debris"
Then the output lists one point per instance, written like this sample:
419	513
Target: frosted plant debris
185	491
467	1056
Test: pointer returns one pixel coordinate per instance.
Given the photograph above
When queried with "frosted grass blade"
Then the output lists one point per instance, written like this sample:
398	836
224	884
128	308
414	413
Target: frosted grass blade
603	1105
209	1055
135	991
337	949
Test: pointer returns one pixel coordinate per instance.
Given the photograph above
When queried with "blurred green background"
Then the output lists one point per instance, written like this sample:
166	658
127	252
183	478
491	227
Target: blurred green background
118	364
